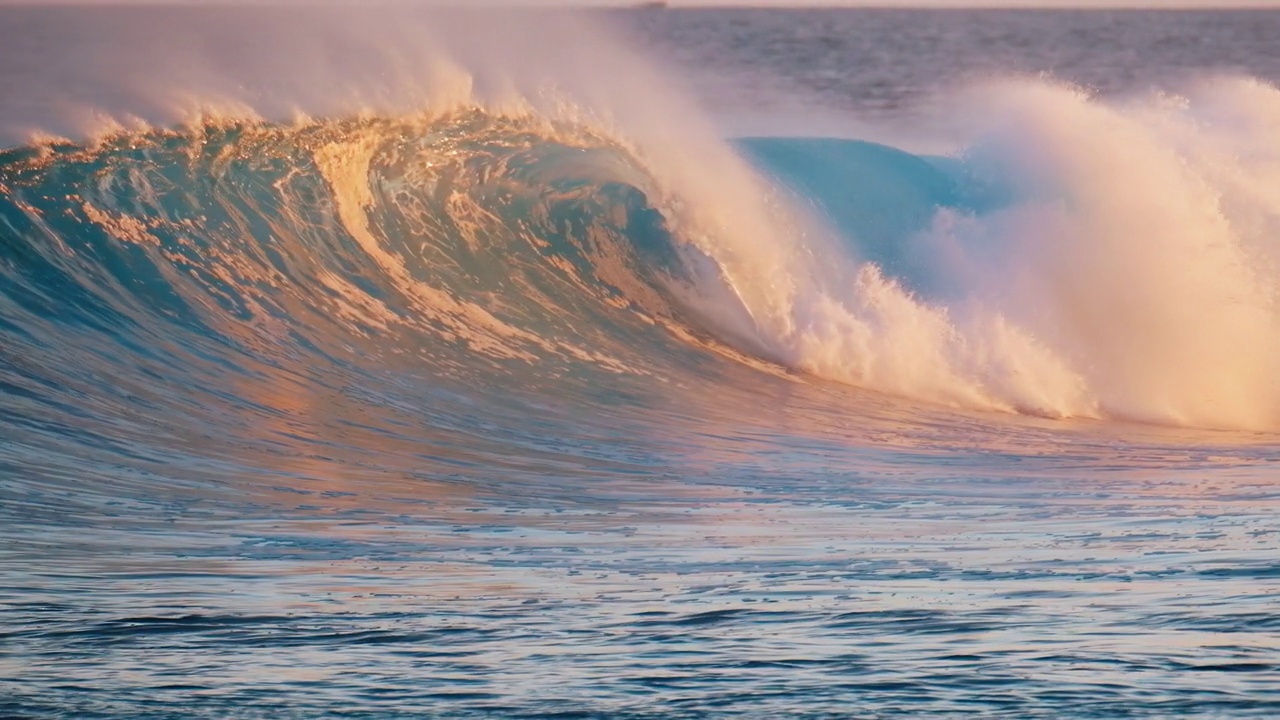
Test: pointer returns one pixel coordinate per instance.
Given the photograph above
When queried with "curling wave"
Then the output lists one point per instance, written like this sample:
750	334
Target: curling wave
1079	258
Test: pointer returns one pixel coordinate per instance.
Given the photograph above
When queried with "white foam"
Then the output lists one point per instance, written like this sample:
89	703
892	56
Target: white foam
1140	246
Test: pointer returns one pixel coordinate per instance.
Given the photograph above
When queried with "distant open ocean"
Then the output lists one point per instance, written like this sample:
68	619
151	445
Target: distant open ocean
650	363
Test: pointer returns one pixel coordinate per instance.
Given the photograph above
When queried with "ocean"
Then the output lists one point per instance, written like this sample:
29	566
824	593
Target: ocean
650	363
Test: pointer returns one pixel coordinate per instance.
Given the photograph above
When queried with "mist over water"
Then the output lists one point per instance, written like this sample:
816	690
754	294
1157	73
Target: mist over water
728	363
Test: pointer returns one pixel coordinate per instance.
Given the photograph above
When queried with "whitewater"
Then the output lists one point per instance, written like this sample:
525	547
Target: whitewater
399	362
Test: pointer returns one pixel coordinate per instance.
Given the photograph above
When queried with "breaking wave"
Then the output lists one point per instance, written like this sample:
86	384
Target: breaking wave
1073	257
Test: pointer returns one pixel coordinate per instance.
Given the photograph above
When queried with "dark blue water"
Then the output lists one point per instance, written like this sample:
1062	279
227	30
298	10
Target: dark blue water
934	391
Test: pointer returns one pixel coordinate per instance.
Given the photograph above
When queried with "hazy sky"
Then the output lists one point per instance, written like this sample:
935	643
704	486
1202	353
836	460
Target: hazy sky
1211	4
1168	4
987	3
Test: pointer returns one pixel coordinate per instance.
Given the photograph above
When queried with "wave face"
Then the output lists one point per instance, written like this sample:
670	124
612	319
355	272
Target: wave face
201	288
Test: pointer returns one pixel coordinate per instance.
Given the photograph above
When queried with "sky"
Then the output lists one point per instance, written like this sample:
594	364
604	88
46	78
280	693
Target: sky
995	3
1114	4
984	3
976	3
1167	4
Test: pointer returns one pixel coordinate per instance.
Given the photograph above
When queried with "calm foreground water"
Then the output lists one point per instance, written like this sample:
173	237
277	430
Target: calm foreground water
495	413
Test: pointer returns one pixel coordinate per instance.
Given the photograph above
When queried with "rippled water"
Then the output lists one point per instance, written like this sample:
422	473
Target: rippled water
783	577
890	63
725	569
209	512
